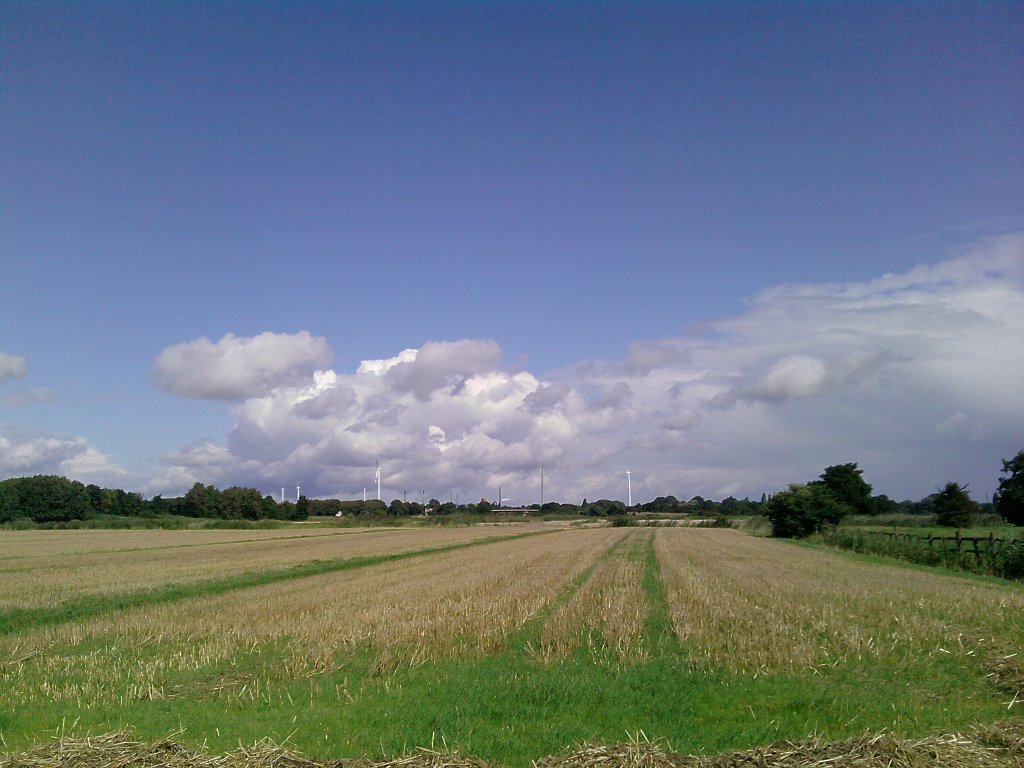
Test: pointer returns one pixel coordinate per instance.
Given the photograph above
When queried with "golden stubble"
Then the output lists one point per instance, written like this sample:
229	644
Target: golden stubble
114	564
607	614
761	605
457	603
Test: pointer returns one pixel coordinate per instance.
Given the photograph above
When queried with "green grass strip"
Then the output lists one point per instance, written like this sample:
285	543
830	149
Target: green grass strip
22	619
659	632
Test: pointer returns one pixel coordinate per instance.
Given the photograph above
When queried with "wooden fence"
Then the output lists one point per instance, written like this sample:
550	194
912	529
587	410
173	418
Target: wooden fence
975	545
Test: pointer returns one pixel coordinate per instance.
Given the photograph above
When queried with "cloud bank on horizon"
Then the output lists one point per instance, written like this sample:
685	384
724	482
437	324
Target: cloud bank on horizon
915	376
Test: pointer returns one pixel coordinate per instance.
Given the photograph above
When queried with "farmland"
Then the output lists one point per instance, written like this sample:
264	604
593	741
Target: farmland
509	643
154	558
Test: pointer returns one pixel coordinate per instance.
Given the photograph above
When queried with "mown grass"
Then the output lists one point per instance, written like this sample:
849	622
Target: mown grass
511	708
511	705
658	631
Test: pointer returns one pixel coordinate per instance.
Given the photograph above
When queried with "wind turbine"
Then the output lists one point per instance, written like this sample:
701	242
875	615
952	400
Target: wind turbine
629	491
377	478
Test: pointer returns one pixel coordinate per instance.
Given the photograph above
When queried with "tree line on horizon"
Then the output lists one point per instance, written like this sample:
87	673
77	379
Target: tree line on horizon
798	511
840	491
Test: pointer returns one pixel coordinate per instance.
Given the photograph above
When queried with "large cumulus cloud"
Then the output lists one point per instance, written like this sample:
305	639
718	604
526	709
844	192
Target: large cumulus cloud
913	375
235	368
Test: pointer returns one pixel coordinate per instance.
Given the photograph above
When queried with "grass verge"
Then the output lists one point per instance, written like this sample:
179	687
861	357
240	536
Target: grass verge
511	709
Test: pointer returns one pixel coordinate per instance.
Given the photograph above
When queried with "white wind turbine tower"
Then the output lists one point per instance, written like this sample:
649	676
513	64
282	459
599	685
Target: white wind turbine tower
629	491
377	478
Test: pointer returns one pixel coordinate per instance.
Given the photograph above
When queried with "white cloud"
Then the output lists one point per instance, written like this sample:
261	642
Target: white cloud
12	367
23	453
443	365
33	396
202	454
915	376
236	368
793	376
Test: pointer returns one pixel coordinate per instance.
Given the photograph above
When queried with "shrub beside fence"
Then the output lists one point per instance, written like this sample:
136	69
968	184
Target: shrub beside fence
990	554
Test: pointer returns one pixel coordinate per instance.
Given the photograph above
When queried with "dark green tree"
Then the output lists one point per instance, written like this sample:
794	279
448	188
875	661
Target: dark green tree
202	501
803	510
954	507
846	485
95	494
604	507
240	503
884	505
268	507
730	506
46	499
127	504
8	501
1009	498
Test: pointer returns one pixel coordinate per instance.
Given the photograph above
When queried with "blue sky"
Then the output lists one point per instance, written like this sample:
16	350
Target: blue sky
720	245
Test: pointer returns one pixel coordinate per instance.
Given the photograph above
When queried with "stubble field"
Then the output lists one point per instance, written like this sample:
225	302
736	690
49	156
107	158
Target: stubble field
509	644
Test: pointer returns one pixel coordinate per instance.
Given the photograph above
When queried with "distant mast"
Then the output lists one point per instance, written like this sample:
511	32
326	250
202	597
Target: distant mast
629	491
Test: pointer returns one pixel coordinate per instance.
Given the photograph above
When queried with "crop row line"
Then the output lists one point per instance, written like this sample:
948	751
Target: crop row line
528	638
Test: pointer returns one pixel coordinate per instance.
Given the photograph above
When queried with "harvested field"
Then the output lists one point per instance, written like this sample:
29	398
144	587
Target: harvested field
462	602
764	605
56	543
31	581
707	639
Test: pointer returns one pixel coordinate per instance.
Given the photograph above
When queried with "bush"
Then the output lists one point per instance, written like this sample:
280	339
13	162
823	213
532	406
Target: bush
803	510
720	521
1009	561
